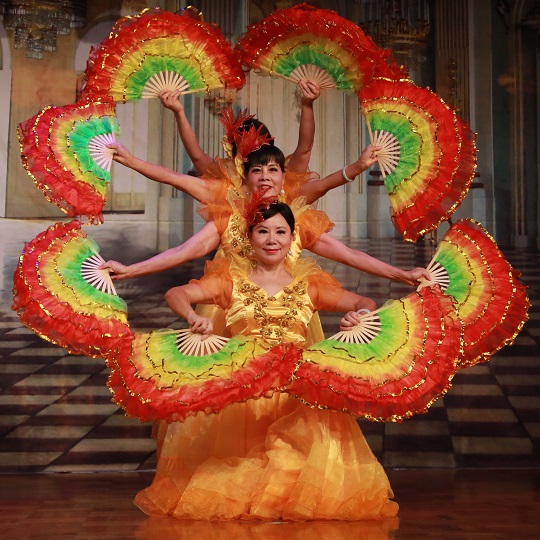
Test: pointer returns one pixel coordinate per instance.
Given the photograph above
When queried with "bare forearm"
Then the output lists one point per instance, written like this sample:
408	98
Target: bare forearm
315	190
188	184
202	243
179	302
299	160
337	251
199	158
163	261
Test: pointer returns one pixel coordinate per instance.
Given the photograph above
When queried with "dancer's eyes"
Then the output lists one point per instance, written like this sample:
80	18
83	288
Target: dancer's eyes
263	230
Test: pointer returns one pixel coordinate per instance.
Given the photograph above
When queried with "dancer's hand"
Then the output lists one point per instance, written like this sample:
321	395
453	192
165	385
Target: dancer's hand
121	154
368	157
413	277
200	325
170	100
350	319
117	271
310	91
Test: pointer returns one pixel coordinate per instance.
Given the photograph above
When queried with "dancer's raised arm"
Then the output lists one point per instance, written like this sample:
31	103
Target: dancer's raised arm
200	244
316	189
191	185
333	249
299	159
200	159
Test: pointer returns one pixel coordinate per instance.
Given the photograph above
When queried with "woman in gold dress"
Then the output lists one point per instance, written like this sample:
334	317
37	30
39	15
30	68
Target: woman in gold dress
272	458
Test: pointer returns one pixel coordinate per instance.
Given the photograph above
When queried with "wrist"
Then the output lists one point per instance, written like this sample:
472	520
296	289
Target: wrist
348	174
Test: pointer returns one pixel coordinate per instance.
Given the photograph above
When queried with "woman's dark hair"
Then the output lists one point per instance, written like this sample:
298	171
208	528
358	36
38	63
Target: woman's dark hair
249	123
277	208
263	156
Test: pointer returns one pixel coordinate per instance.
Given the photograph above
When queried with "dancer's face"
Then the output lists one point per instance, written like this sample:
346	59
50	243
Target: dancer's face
261	176
271	240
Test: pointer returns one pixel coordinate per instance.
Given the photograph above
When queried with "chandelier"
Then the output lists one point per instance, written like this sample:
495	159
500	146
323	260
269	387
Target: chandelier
399	25
38	23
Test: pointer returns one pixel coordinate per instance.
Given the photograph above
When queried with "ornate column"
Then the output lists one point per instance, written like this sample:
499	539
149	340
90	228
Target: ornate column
523	19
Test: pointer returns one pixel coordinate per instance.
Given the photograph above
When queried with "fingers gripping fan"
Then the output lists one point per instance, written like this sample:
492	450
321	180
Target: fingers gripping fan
157	51
60	293
428	154
171	375
491	302
395	363
64	149
303	42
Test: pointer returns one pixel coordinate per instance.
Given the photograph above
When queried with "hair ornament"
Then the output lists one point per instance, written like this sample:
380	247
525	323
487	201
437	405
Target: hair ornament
231	125
258	202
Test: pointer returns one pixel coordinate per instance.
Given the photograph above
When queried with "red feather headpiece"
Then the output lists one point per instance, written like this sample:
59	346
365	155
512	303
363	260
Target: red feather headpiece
231	124
249	140
253	209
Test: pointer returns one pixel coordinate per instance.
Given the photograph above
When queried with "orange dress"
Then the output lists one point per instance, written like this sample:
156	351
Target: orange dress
231	226
272	458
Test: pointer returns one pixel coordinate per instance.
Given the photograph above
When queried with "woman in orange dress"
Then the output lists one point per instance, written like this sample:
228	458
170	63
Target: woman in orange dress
272	458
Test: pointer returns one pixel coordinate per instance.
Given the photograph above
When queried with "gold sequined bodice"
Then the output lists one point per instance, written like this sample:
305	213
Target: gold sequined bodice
277	318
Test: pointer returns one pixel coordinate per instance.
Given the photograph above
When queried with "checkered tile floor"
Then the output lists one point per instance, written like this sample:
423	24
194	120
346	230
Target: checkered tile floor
56	413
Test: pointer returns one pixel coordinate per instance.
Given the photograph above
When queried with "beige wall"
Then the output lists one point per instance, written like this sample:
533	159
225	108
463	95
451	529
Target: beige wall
35	84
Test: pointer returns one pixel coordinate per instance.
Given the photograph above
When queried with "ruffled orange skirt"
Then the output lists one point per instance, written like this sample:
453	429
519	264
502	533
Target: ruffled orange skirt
268	459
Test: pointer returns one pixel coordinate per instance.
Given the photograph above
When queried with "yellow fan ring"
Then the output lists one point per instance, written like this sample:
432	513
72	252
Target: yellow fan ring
56	286
187	52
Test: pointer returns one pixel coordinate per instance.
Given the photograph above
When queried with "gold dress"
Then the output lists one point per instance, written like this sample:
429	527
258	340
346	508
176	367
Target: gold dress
272	458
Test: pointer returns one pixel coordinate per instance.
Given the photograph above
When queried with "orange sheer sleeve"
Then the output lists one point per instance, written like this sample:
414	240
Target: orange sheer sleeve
293	181
219	181
217	281
311	225
325	291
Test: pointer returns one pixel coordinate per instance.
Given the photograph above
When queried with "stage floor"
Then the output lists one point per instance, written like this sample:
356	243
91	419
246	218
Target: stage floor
434	504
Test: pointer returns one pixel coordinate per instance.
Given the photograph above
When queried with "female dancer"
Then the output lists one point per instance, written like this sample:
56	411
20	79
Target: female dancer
272	458
264	168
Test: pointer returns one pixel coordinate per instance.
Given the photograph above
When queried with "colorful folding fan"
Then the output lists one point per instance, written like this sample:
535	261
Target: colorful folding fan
395	363
491	303
159	381
156	51
60	293
428	154
64	149
303	42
